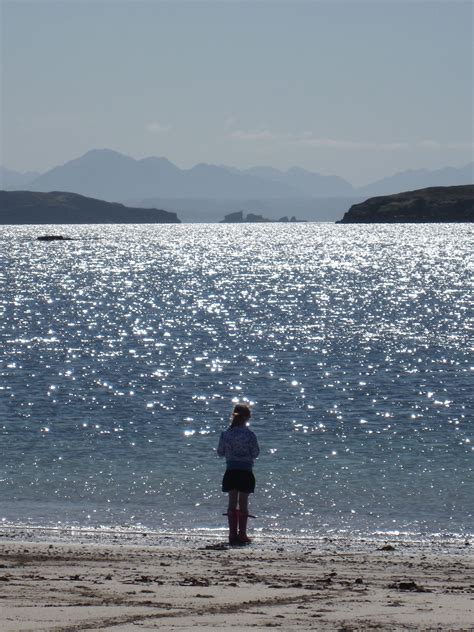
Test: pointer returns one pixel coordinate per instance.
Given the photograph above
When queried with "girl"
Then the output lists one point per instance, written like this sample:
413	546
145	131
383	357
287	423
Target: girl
240	447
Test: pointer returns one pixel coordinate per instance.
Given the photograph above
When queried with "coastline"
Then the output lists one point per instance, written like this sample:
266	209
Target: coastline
138	535
178	582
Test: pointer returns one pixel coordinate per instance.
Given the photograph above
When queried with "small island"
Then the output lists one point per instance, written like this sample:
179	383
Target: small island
59	207
435	205
238	217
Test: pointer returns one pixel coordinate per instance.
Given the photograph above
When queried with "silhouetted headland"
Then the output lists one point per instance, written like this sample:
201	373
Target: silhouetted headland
58	207
435	204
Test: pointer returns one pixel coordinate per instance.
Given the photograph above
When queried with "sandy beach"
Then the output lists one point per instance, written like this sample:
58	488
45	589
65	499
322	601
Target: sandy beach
199	583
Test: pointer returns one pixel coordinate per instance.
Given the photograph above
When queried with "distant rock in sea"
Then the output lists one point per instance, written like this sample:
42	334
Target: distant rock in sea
435	204
292	219
58	207
53	238
239	218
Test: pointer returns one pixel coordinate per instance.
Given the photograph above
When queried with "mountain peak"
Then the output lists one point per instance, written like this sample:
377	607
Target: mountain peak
103	155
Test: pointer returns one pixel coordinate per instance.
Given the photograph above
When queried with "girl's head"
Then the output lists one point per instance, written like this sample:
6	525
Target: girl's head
240	415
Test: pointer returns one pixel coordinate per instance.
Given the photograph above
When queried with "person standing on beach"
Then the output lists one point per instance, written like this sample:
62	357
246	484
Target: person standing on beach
239	446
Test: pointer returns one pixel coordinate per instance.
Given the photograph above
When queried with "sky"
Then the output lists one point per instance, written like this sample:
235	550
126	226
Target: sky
357	89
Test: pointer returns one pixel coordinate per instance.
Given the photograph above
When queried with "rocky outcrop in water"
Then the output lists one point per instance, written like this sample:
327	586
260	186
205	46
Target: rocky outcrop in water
435	204
291	219
239	218
53	238
58	207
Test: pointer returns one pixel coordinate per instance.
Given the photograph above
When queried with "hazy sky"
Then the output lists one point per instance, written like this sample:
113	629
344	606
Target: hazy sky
359	89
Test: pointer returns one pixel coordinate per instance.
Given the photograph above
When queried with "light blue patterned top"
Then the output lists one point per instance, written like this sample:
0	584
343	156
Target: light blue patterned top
240	447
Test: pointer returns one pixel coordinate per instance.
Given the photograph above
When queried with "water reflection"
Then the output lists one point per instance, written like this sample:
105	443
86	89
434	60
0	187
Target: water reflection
121	356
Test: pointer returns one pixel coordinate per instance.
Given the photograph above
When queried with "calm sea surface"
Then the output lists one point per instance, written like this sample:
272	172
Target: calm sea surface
123	350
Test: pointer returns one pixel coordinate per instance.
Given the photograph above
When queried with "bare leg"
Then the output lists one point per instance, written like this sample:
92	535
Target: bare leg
233	517
233	496
243	502
243	517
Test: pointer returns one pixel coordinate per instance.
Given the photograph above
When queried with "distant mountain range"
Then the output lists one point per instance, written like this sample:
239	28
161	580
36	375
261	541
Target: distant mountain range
420	179
300	182
111	176
11	179
107	174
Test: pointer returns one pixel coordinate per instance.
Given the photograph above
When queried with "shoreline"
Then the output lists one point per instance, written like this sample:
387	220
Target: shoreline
137	536
179	584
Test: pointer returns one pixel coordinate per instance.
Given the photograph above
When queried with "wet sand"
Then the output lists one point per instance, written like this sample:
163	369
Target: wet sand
202	584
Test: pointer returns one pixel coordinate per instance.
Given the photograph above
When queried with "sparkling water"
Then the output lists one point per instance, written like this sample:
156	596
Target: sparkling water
123	350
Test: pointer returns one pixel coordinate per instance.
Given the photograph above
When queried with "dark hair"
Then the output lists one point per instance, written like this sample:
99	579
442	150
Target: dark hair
240	414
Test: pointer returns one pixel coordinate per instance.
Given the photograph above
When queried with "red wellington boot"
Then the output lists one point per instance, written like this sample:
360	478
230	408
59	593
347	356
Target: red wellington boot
242	536
233	519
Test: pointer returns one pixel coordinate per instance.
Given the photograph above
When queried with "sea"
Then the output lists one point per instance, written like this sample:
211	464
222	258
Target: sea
123	351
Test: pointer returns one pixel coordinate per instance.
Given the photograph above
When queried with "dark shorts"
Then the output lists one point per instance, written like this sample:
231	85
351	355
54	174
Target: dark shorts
241	480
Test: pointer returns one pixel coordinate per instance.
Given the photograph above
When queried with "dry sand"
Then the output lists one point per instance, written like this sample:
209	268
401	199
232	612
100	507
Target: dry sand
199	584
